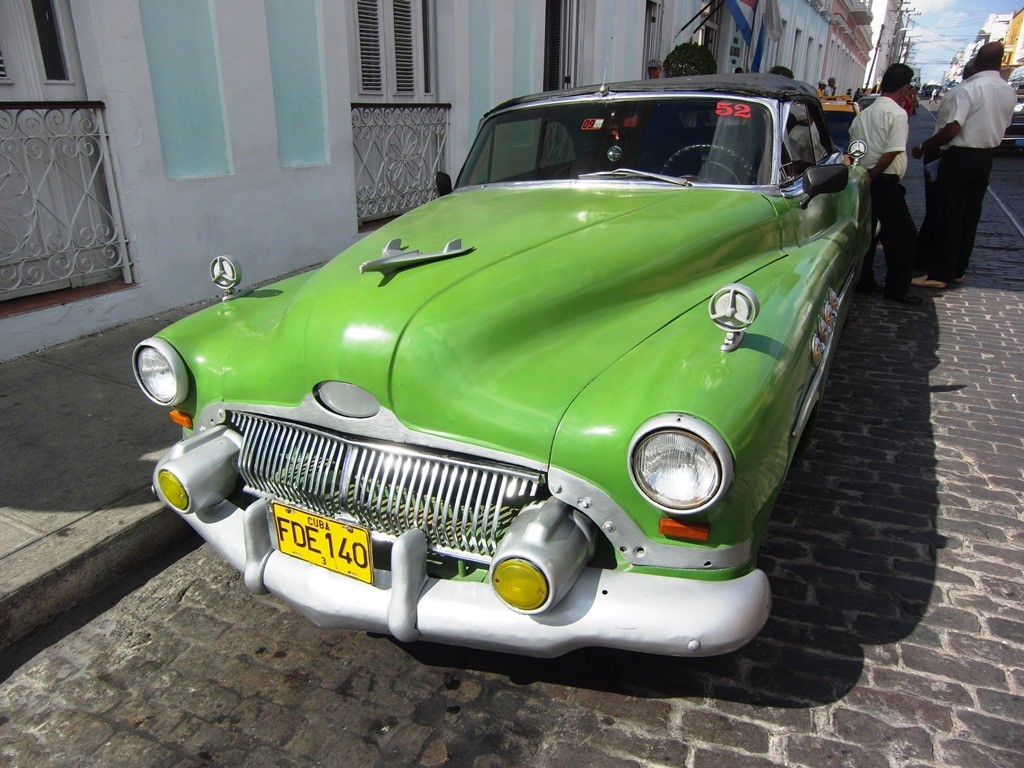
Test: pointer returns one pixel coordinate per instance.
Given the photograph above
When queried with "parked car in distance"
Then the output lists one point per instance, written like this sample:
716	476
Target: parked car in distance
552	408
839	113
867	100
1014	137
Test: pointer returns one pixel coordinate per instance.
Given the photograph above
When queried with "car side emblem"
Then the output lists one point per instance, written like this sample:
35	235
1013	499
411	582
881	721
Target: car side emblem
225	274
733	308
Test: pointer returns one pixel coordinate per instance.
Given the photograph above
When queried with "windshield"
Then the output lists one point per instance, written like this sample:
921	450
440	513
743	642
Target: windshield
839	128
709	139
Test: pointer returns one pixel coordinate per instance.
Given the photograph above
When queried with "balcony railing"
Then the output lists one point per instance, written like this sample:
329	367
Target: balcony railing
399	148
60	225
860	12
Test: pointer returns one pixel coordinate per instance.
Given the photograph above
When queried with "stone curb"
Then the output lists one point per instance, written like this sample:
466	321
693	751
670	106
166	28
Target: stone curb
34	590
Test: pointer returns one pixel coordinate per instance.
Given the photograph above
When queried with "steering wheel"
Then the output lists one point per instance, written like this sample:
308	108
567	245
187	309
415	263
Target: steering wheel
675	159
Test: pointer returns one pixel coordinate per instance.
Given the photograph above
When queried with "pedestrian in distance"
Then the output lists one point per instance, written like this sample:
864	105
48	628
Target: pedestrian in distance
883	127
980	110
653	69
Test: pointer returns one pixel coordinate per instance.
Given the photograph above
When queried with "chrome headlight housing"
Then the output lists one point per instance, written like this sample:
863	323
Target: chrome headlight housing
160	372
680	463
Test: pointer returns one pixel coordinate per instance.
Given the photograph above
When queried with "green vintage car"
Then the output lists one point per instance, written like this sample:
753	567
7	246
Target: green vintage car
552	408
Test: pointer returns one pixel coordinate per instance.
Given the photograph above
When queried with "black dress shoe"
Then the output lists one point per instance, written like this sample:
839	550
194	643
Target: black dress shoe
905	298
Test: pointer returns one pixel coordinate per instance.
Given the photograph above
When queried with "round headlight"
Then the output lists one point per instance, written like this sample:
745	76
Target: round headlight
676	469
160	372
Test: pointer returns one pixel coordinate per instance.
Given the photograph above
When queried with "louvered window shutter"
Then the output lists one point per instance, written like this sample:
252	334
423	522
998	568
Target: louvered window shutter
553	46
3	67
405	72
371	73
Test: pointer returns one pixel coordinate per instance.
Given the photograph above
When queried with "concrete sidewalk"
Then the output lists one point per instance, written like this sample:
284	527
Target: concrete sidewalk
79	443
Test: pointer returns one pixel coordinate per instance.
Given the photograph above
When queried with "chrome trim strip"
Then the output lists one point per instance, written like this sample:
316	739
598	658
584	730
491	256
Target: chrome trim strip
630	542
814	390
764	189
383	426
634	96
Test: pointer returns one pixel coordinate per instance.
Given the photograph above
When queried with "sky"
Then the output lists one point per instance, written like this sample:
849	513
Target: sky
943	28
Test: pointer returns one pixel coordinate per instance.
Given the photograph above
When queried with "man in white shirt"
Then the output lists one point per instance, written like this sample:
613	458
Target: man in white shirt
883	127
976	119
930	233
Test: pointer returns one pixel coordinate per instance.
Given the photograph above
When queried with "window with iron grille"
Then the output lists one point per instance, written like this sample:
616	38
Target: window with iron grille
395	48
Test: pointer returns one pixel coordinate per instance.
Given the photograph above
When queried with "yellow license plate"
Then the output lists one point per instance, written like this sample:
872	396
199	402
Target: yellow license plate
337	546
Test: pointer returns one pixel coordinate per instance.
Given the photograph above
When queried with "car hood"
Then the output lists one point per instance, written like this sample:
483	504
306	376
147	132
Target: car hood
492	346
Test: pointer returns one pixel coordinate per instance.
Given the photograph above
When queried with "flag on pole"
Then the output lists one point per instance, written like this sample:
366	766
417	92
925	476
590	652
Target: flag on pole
743	13
771	19
770	26
758	51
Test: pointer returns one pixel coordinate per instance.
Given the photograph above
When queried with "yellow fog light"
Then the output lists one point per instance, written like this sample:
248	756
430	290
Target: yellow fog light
172	489
521	584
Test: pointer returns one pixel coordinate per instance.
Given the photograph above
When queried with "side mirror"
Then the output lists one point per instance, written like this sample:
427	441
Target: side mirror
824	179
443	182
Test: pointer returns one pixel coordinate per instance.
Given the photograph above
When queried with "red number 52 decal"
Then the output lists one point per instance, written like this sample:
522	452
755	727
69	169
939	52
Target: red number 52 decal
728	109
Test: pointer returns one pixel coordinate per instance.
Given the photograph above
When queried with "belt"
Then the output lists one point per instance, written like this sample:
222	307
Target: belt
976	150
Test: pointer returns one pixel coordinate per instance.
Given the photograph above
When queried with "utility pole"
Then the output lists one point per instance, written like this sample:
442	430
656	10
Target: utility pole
899	49
874	59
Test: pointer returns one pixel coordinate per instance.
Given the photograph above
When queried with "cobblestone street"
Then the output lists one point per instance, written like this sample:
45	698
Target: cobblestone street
895	555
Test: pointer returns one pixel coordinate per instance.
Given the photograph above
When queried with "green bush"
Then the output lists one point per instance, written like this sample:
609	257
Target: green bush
778	69
689	59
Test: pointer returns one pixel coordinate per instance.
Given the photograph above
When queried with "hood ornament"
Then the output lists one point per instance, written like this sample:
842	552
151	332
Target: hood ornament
394	257
857	149
225	274
733	308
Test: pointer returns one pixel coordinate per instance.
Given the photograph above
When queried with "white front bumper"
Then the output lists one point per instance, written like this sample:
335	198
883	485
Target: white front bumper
615	609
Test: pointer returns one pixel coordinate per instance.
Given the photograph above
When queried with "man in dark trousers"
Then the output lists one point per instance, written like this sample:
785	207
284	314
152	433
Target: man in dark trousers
980	110
883	127
930	233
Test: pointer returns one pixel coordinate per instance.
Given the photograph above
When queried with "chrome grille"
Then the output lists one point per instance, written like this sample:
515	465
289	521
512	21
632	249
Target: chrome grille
462	505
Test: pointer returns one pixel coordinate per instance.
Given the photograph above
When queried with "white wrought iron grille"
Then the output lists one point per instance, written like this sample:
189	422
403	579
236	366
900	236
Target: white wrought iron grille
399	149
60	225
461	505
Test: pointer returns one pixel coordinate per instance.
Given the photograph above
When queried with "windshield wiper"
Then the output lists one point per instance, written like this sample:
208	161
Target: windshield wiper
632	173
